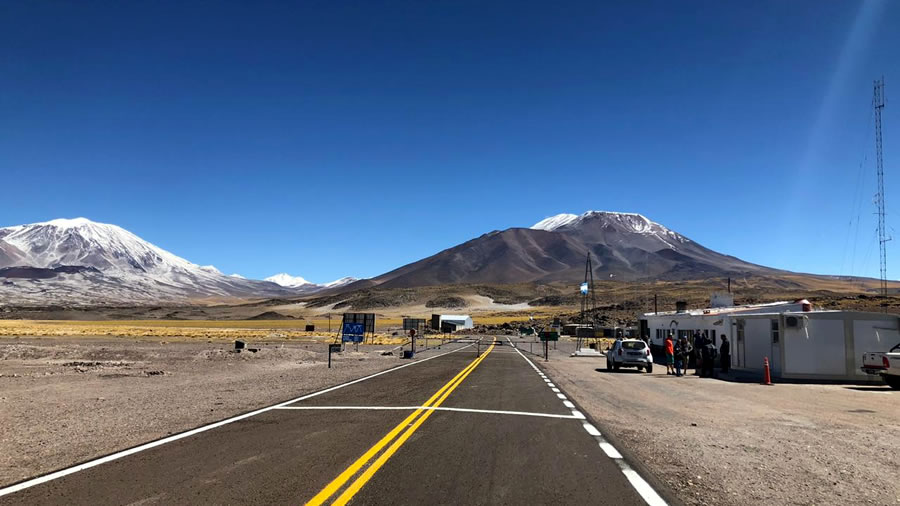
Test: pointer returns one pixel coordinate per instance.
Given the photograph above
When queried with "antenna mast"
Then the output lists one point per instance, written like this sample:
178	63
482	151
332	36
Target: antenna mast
878	105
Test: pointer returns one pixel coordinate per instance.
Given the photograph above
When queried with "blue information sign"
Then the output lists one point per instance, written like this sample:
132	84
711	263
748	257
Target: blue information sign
353	332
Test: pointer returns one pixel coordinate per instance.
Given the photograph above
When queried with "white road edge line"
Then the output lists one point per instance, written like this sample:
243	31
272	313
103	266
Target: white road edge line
427	408
610	450
591	429
159	442
637	482
643	488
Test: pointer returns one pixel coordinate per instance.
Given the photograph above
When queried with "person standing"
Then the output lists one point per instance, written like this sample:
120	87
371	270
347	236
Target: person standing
670	355
680	354
725	355
698	353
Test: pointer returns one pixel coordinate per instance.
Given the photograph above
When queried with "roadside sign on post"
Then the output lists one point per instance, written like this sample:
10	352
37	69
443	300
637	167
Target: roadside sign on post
332	348
353	332
549	336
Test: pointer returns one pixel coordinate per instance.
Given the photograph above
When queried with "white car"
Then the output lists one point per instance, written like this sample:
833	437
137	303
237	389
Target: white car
885	364
629	353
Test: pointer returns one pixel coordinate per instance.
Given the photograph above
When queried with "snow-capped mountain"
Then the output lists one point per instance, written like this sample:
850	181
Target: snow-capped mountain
606	221
289	281
78	260
285	279
627	246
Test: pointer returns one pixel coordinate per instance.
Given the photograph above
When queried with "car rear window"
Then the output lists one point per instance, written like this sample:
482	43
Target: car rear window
633	345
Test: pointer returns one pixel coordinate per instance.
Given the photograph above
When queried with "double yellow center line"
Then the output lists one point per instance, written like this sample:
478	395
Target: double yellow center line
411	423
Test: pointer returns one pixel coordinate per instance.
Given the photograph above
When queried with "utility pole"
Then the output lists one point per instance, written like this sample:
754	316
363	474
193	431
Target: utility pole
878	105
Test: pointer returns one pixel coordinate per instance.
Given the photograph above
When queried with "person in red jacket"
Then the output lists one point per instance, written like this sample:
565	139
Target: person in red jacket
670	355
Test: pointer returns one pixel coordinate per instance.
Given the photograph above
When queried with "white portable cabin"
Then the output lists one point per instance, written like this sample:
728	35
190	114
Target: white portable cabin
462	321
814	345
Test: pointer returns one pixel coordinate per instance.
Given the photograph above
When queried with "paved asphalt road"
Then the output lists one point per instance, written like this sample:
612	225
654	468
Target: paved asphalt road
317	450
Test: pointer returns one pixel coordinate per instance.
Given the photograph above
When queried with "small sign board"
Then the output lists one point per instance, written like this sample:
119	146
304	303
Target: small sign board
413	323
353	332
334	348
549	336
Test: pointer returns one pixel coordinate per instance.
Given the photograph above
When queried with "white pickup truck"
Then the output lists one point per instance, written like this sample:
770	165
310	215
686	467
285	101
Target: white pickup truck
887	364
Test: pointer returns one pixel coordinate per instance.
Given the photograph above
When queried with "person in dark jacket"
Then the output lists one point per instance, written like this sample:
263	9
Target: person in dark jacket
698	353
725	355
708	355
681	351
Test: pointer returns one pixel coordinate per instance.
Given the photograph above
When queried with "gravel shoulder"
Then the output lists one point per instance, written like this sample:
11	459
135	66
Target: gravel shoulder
67	400
728	443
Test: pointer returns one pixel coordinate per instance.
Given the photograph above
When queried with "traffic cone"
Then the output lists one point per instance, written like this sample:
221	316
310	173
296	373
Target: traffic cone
767	377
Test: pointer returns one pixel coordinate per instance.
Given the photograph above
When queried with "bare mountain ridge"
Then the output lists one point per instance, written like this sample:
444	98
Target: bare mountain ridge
625	246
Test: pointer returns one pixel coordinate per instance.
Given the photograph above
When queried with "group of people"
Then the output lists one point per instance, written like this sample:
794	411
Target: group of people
702	349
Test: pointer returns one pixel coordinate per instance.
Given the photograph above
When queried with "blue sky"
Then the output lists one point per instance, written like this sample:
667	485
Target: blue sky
348	138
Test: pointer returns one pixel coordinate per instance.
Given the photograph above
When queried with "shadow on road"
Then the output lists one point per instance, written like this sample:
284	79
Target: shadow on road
620	371
871	389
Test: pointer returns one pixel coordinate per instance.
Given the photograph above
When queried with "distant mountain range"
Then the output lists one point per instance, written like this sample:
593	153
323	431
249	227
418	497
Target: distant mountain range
289	281
81	261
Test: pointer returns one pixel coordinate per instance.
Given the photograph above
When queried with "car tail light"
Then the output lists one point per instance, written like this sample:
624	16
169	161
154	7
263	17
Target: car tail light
647	351
887	364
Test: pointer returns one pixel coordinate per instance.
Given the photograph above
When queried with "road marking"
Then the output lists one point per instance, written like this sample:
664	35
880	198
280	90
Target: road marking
637	482
610	450
551	385
578	414
591	429
159	442
643	488
364	478
555	390
431	408
411	423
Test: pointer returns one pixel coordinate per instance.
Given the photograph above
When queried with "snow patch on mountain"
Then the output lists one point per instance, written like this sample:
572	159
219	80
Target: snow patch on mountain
285	279
340	282
552	223
628	222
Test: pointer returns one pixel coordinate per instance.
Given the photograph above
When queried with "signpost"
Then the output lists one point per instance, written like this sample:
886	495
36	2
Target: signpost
332	348
353	333
546	337
361	324
415	326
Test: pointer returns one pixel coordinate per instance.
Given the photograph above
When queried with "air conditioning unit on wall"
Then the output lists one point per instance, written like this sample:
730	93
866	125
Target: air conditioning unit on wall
794	322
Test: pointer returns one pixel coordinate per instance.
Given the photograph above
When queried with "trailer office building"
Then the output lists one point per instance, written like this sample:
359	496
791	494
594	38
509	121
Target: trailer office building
814	345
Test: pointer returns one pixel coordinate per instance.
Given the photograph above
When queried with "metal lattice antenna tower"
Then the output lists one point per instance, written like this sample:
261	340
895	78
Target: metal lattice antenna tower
878	105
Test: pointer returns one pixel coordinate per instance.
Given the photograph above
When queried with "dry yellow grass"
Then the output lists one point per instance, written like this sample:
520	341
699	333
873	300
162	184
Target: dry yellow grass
173	330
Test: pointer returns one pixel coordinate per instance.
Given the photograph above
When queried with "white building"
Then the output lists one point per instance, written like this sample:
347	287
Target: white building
816	345
462	321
